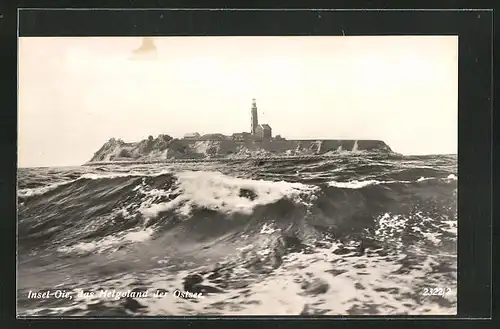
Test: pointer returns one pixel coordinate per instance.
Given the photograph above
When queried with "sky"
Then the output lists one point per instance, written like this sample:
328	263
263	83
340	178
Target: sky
75	93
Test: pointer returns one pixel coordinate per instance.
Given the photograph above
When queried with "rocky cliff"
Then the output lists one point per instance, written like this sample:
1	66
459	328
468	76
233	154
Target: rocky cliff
165	147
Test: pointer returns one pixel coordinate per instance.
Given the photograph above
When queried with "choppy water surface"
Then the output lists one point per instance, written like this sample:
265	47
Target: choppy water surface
367	235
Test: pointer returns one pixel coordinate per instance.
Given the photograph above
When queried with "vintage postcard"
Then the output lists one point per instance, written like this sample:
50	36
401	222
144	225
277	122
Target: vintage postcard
291	175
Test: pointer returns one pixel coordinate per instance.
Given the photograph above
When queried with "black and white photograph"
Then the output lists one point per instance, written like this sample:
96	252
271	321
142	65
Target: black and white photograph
237	175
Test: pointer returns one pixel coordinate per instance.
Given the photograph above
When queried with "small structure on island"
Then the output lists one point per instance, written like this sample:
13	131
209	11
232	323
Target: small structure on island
192	136
241	136
262	131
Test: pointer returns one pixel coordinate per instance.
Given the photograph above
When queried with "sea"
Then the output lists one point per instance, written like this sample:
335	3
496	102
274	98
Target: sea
351	235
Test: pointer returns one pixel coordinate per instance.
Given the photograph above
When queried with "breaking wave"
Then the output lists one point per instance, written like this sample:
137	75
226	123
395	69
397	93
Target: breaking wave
122	207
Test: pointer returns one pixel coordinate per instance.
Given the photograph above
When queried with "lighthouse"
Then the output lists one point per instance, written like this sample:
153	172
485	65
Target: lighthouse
255	120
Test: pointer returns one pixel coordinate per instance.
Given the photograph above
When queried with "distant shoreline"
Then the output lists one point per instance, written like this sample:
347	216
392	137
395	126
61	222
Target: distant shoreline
242	159
164	149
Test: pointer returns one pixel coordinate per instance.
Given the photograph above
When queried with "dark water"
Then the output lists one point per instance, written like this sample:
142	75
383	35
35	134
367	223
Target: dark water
355	235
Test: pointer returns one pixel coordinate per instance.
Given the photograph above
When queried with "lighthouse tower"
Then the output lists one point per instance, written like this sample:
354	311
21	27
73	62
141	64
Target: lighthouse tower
255	120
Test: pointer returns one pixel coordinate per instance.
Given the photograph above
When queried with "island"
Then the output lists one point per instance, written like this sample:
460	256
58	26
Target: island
259	143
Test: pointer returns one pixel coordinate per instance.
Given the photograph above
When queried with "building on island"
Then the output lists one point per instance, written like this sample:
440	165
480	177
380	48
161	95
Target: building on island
192	136
262	131
241	136
257	131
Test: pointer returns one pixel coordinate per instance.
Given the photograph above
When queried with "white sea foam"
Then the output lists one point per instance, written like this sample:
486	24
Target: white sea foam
138	236
354	184
268	229
98	246
110	242
434	237
245	248
451	226
375	288
152	210
388	224
216	191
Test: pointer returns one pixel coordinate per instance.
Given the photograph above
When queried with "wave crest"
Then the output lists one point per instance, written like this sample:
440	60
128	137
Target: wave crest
225	194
